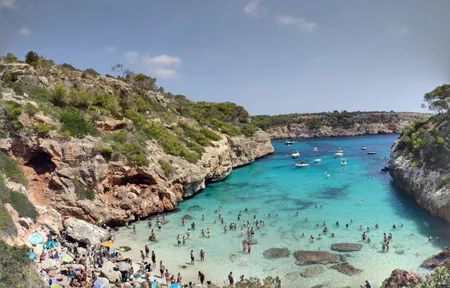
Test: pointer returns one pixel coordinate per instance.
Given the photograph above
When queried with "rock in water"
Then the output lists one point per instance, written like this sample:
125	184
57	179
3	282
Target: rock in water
401	278
315	257
312	271
195	208
187	217
346	247
346	269
85	232
276	253
400	252
437	260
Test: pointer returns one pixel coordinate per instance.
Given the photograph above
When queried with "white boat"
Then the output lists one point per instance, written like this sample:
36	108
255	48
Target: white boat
363	148
316	149
371	152
301	164
338	154
344	162
317	160
296	154
288	143
340	151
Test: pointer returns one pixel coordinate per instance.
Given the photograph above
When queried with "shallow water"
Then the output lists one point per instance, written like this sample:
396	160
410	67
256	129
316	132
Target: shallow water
273	185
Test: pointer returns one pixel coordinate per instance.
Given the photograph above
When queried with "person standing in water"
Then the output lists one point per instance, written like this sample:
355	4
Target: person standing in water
201	277
147	250
153	258
134	228
192	257
230	278
202	255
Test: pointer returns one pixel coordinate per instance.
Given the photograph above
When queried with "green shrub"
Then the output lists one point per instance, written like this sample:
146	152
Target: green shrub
91	72
10	57
42	129
73	123
30	109
12	110
6	224
18	201
129	145
108	102
59	96
8	79
165	166
439	277
83	192
17	270
32	58
11	169
68	66
249	129
194	134
210	134
37	93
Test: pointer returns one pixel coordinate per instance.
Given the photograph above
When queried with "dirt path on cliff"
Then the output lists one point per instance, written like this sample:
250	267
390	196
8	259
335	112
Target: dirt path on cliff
38	191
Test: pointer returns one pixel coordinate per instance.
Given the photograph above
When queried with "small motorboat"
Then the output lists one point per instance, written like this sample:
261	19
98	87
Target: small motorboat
338	154
371	152
363	148
288	143
301	164
385	169
340	151
296	154
344	162
317	160
316	149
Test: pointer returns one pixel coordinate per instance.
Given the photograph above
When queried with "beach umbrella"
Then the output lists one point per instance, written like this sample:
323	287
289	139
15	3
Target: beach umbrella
55	285
99	283
107	244
66	258
124	266
35	238
31	255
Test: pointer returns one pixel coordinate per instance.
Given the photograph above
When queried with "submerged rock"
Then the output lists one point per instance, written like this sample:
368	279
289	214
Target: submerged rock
187	217
315	257
437	260
312	271
346	269
346	247
400	252
276	253
400	278
195	208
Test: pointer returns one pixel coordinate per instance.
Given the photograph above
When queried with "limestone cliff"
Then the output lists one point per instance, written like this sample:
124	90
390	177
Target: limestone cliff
420	164
336	124
83	176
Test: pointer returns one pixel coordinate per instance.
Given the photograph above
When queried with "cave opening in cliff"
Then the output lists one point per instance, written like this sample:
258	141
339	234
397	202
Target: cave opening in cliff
41	162
138	179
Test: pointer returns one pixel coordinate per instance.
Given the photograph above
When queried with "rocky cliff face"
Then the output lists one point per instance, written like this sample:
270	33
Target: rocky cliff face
403	121
75	177
419	164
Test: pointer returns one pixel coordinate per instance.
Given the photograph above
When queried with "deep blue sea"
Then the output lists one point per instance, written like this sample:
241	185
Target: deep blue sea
355	194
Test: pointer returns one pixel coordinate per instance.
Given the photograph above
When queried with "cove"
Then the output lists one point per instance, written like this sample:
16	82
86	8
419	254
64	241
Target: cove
356	192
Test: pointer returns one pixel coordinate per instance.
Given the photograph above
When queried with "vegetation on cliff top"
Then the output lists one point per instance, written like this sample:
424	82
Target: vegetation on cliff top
333	119
429	141
180	126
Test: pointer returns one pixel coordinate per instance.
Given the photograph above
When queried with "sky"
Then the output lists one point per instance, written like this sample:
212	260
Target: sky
270	56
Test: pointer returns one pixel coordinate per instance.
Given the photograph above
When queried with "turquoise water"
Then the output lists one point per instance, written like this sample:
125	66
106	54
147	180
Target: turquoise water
357	191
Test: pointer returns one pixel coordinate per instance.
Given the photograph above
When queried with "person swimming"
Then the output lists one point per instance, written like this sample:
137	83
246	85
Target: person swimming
376	226
208	232
332	234
337	223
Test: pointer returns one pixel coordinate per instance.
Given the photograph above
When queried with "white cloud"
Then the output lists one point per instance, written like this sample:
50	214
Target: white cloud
131	57
162	65
254	8
299	22
399	29
110	49
165	60
24	31
7	3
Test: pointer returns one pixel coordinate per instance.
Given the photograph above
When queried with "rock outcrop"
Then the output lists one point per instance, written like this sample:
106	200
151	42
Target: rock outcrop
86	233
346	247
401	278
315	257
437	260
420	164
312	271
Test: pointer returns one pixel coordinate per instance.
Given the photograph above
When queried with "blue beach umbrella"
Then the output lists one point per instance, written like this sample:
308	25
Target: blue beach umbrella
31	255
35	238
99	283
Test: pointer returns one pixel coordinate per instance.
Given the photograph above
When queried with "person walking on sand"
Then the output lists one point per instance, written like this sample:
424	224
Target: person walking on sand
162	268
201	277
147	250
230	278
249	248
142	255
179	278
192	257
202	255
179	240
153	258
134	228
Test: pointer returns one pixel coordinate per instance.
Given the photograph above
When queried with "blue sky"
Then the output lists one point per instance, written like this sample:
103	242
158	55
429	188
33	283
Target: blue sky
271	56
